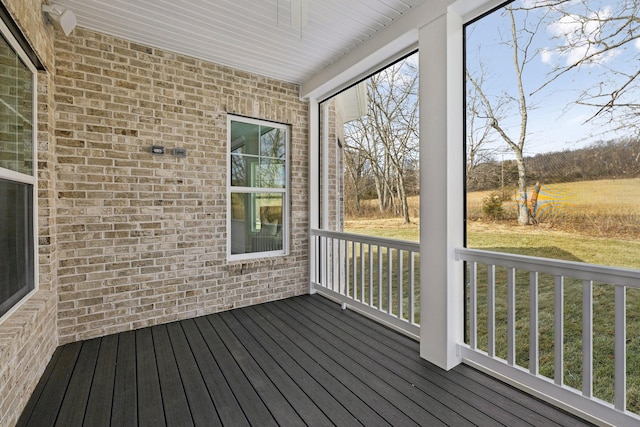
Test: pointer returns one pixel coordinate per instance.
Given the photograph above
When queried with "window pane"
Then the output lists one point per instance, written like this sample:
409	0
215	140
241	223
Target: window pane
16	243
272	142
244	138
271	174
553	132
16	112
239	170
256	222
369	154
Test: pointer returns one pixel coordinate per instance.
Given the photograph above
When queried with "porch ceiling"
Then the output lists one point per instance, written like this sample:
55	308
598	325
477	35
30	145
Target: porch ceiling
250	35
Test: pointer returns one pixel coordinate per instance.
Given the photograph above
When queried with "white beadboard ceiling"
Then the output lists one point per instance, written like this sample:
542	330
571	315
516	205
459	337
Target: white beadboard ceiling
252	35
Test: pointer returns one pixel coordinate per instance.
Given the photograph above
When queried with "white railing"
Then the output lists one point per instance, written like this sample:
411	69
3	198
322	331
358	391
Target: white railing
377	276
540	345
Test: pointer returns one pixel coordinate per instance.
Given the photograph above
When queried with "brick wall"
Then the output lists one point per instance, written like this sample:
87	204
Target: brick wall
142	238
29	336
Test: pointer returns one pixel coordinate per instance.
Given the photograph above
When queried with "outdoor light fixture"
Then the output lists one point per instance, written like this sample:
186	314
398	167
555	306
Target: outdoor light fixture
60	17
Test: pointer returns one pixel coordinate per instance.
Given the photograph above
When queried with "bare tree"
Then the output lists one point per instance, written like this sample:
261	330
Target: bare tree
520	40
394	111
387	134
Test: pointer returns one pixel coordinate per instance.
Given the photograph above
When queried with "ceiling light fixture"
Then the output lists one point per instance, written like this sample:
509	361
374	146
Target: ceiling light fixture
60	17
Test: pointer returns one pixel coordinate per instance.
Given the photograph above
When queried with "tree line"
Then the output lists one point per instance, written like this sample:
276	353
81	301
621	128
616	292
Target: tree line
612	159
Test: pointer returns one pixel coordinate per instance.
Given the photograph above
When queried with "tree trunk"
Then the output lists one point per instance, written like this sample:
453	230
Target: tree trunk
521	195
403	198
380	192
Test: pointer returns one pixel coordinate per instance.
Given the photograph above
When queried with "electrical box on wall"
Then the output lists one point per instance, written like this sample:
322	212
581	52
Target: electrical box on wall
180	152
157	149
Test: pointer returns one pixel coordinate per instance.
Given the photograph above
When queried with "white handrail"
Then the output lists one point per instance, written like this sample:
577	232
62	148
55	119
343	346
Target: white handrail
405	245
578	270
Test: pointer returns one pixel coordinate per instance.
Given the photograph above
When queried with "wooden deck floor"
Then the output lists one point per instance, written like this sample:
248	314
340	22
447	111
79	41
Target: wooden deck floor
290	363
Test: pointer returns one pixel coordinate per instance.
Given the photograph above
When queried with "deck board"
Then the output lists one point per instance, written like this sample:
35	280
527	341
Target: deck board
55	388
150	402
279	407
176	409
286	385
72	410
404	351
340	393
125	390
301	361
440	395
248	399
397	390
27	413
368	388
224	401
325	402
505	404
99	403
195	387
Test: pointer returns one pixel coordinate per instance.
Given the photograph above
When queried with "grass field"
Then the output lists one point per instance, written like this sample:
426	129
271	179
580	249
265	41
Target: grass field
594	222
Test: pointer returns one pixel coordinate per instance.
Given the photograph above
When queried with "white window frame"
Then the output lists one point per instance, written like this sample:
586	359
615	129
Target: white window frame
21	177
237	189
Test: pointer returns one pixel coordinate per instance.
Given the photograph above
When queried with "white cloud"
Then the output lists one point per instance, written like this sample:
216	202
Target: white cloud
579	37
546	55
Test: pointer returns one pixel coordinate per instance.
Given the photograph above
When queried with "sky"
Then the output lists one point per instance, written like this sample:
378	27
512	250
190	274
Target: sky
556	123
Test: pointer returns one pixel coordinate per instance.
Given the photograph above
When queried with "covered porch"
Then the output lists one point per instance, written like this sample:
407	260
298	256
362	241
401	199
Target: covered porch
142	317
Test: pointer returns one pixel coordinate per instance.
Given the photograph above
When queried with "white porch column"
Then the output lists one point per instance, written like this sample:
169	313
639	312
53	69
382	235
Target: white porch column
314	185
441	189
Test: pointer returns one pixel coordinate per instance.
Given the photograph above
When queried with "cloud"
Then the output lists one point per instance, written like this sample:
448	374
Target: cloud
579	37
547	55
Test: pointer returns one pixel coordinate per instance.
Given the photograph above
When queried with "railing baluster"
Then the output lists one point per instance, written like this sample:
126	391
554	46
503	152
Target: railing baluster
412	286
338	262
370	248
491	310
362	285
389	280
379	278
400	290
324	247
344	265
347	268
534	341
473	304
587	338
558	330
620	381
334	263
354	261
511	316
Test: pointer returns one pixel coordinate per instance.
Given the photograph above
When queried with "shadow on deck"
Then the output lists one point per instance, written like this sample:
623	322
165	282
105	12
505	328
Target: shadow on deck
292	362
